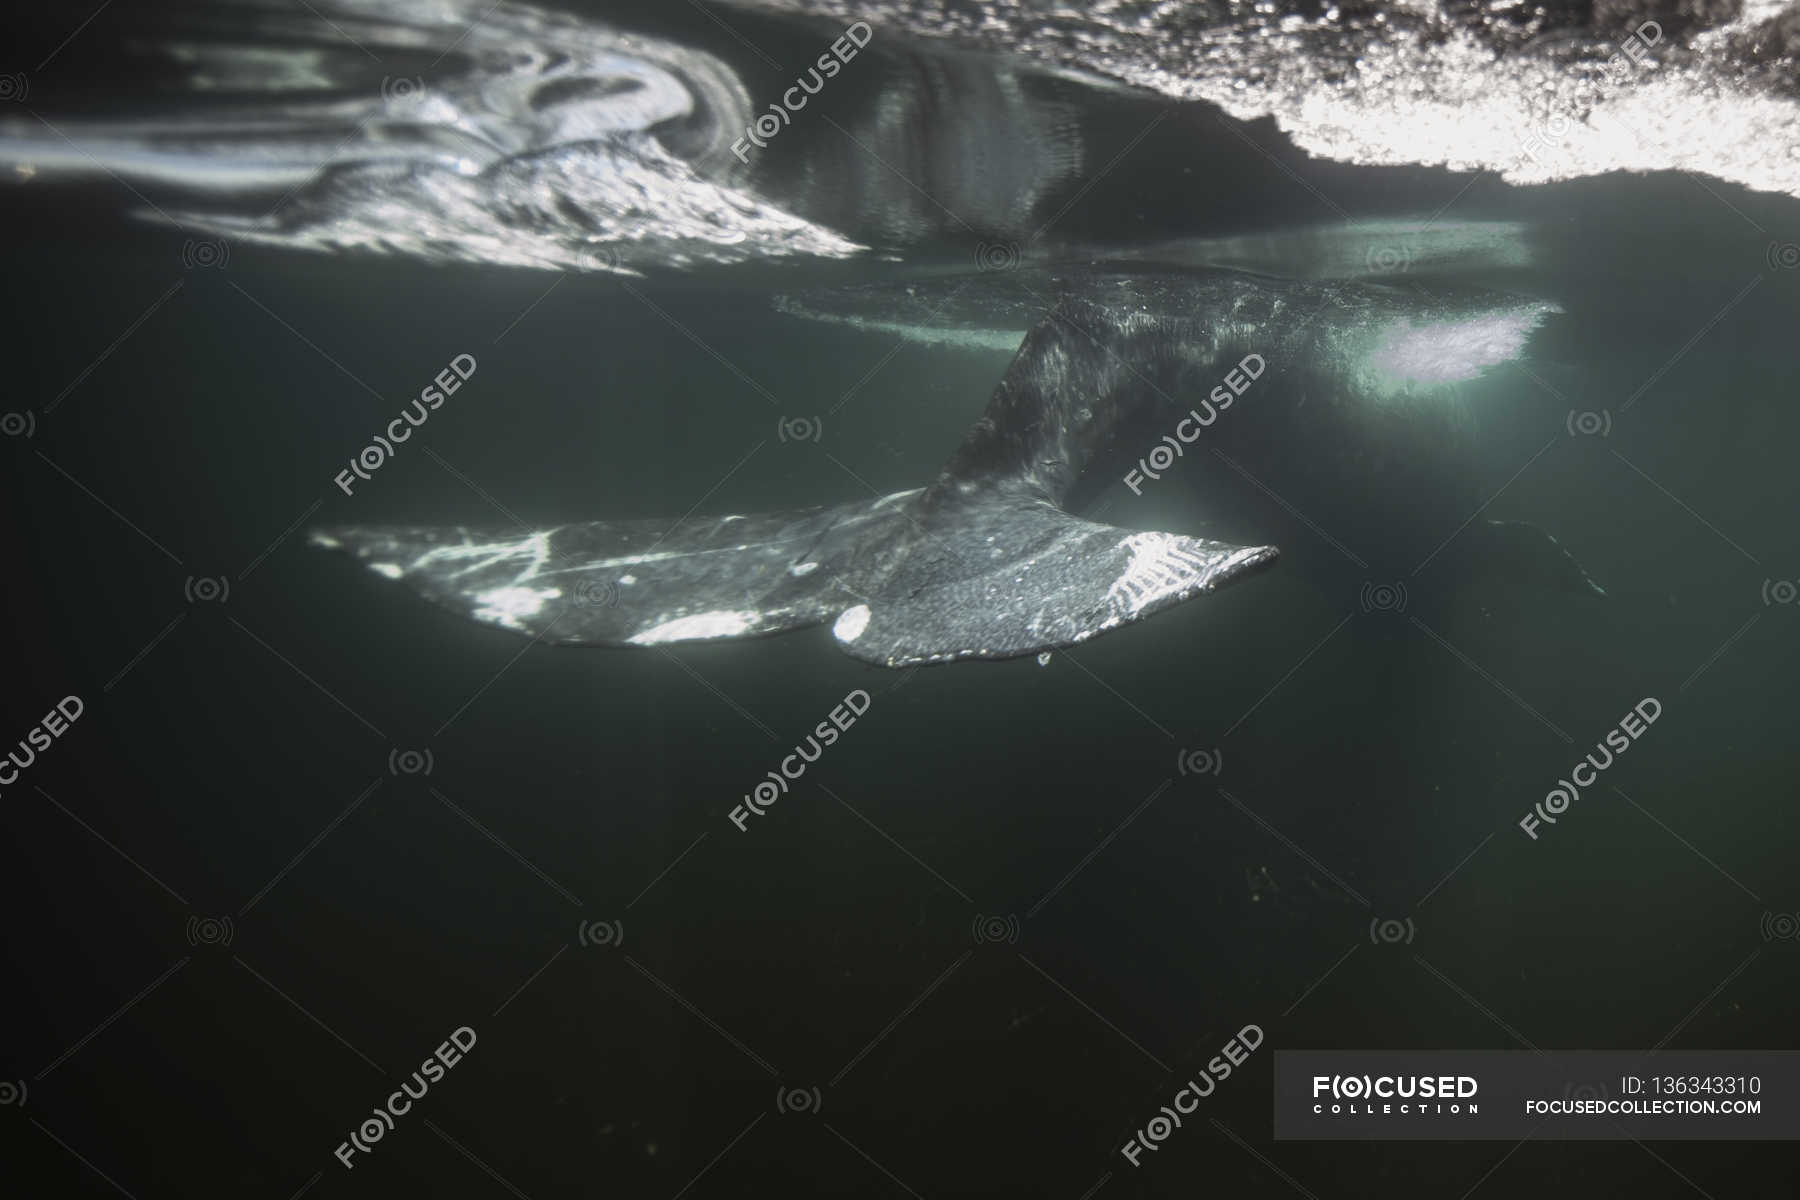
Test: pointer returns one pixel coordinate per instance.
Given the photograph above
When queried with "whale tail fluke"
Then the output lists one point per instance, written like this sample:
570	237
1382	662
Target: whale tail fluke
1002	577
983	564
631	582
993	578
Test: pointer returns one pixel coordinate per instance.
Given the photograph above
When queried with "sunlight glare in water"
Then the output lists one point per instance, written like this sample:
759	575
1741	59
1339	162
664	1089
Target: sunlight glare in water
1452	351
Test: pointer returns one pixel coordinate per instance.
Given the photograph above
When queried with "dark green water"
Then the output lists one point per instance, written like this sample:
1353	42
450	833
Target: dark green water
236	759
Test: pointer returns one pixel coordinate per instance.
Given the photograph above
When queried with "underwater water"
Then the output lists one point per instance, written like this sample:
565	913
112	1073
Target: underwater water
305	825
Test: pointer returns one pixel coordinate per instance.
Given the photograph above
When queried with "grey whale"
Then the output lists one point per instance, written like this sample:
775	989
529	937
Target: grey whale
986	562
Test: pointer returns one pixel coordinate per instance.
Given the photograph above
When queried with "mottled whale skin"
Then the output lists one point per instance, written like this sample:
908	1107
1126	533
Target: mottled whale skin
986	562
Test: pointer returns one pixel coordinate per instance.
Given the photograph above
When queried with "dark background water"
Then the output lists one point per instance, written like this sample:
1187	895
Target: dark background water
237	760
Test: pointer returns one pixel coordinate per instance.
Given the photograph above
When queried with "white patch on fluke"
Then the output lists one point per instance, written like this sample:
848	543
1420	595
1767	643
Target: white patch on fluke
532	551
851	623
387	570
1160	567
805	568
694	628
505	606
